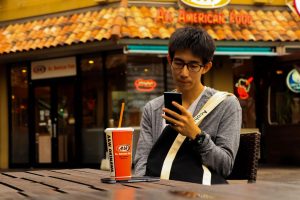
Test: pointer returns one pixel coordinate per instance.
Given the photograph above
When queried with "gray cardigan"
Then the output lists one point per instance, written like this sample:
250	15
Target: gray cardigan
221	128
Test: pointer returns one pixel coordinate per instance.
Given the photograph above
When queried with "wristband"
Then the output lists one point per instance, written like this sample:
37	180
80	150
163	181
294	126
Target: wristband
199	139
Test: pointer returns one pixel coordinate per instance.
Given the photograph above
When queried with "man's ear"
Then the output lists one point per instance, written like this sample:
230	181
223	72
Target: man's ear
206	67
169	59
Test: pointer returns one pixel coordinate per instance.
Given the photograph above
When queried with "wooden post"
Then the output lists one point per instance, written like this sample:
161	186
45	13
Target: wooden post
3	119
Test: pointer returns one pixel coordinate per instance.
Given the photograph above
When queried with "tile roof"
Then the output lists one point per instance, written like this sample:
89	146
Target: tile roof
143	23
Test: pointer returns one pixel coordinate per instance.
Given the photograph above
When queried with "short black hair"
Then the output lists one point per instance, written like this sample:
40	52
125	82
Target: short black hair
195	39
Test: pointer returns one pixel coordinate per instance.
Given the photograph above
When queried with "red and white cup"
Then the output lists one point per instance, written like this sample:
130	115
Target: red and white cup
119	146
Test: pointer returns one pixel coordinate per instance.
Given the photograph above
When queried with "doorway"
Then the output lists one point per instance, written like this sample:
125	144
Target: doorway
54	123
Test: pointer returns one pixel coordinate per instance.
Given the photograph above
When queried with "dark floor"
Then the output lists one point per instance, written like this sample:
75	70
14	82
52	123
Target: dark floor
283	174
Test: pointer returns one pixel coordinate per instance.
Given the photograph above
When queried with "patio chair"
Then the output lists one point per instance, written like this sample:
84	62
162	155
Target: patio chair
246	161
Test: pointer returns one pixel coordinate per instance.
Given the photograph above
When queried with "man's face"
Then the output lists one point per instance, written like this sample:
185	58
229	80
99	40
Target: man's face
186	79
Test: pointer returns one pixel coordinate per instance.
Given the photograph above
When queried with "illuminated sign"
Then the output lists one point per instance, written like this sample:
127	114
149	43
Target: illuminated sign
145	85
206	4
293	81
190	17
243	87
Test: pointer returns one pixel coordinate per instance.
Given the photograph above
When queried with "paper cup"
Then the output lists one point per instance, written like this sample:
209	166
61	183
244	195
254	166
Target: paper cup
119	146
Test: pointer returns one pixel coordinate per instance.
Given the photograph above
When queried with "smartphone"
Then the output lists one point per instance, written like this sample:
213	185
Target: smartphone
169	97
133	179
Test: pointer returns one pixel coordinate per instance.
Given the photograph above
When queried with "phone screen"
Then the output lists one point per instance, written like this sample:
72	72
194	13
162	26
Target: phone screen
169	97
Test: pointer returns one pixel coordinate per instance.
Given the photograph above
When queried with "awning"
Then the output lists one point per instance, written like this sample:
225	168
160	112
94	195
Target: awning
228	24
220	50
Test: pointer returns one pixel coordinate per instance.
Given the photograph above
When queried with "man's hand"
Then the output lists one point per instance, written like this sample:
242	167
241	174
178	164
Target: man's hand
184	123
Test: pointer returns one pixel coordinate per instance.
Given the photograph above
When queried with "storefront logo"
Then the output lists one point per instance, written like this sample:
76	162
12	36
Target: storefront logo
297	6
206	4
243	87
145	85
293	81
39	69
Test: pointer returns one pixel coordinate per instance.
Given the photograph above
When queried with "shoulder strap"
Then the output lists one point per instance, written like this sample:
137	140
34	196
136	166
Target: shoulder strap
213	101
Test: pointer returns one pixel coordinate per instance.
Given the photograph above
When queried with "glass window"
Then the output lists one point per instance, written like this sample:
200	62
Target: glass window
283	103
134	80
19	114
92	109
244	89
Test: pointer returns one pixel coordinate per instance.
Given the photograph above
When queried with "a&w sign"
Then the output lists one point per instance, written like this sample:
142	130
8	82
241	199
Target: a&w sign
207	4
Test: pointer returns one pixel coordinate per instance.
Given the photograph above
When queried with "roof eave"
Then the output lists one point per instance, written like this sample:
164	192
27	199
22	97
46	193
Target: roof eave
60	51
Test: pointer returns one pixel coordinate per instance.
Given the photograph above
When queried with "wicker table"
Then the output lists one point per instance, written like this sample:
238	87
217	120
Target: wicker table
86	184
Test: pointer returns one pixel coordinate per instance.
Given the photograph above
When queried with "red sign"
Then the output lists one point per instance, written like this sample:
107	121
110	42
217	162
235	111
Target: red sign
297	6
243	87
189	17
145	85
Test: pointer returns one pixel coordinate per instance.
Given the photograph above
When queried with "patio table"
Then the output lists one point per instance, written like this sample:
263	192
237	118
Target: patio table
86	184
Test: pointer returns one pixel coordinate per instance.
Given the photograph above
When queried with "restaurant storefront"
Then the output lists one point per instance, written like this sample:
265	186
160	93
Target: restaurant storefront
278	90
67	75
68	114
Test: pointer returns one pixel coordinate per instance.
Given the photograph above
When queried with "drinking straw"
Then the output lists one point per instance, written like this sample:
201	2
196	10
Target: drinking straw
121	115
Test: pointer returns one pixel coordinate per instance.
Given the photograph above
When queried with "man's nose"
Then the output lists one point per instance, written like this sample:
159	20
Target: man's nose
185	70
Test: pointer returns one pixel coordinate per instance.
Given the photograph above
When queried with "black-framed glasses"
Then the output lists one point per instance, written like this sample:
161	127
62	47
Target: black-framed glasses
192	67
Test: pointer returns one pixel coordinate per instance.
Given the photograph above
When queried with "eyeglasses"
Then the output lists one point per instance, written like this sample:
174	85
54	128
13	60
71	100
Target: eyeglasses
192	67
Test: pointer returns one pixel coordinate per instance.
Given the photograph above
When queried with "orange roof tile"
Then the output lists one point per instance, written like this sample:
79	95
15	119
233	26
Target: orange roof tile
143	22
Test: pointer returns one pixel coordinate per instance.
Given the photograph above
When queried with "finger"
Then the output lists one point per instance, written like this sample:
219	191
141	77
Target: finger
176	123
175	127
180	107
170	119
173	114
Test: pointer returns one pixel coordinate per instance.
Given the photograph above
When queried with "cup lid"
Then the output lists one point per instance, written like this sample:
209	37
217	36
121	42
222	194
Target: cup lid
119	129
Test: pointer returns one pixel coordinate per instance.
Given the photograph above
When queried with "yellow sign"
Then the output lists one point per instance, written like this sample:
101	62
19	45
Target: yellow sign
207	4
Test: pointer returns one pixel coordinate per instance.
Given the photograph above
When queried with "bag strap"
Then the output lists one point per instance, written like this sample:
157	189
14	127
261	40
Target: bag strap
213	102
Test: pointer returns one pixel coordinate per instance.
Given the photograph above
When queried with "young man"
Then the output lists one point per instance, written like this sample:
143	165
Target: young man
214	143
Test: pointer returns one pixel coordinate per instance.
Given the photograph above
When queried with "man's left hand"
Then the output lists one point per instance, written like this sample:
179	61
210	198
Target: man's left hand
184	123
